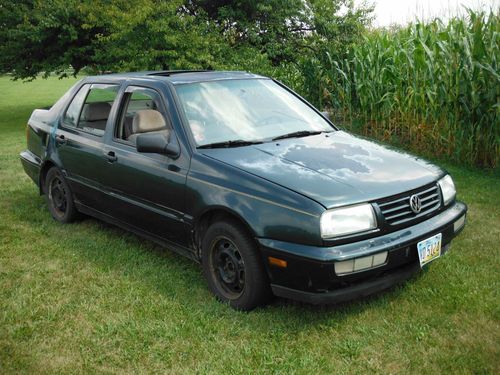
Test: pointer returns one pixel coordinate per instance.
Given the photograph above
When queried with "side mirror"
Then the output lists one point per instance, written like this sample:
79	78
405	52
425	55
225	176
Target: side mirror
157	144
326	114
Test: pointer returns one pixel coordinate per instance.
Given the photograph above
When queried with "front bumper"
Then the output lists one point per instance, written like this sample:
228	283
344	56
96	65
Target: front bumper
310	272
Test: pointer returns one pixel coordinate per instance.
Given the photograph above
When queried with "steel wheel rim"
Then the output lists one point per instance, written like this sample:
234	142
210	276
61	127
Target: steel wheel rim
228	267
58	196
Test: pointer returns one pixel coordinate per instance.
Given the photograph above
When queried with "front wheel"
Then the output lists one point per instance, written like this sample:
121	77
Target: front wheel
233	268
59	197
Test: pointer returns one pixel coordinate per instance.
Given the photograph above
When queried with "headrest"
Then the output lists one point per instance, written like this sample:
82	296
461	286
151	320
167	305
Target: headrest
148	120
96	111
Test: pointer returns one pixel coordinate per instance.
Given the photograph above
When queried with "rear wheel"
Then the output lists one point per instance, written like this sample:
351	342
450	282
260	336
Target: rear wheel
233	268
59	197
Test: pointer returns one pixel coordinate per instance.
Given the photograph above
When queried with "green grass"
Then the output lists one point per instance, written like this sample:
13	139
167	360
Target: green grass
89	297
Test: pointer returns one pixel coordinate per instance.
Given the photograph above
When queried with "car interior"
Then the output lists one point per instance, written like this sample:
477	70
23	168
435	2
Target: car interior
94	116
148	121
133	106
142	115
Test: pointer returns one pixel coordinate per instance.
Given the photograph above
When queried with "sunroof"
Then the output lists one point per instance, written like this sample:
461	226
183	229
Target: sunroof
167	73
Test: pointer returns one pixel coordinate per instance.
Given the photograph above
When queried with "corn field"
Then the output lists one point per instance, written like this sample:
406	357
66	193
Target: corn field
433	87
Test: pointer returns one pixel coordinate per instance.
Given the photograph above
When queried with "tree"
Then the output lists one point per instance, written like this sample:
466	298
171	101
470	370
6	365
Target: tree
44	36
55	35
155	35
284	29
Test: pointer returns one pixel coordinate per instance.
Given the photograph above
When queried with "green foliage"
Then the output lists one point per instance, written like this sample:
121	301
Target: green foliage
46	36
102	35
154	35
434	87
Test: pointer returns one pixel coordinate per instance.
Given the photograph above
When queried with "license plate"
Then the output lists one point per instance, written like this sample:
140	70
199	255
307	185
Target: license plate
429	249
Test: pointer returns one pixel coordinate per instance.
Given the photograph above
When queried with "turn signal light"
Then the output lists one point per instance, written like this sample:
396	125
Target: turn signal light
360	264
277	262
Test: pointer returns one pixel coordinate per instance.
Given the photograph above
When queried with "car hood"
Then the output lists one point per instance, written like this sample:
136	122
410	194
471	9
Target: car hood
334	169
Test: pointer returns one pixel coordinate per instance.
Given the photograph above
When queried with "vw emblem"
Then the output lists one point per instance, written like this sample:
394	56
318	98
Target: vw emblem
415	203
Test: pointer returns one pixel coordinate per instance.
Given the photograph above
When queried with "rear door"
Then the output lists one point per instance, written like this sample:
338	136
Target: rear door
145	190
79	140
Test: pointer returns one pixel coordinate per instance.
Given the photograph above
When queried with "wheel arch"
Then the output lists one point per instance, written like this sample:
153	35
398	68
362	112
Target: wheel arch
46	165
212	214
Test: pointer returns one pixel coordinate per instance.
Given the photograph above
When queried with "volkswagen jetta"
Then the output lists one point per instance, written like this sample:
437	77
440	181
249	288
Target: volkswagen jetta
239	173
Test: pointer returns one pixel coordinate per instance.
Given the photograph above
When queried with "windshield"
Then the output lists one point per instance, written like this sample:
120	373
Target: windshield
245	110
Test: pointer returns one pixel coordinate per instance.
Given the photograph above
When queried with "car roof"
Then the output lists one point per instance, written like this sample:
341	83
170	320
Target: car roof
183	76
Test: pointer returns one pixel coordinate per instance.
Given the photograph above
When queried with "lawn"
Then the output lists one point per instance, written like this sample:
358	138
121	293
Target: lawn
89	297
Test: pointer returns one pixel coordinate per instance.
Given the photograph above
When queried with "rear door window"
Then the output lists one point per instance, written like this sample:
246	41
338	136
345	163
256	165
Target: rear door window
96	108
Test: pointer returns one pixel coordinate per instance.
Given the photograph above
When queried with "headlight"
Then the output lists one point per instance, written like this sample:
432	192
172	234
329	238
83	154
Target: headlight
347	220
447	189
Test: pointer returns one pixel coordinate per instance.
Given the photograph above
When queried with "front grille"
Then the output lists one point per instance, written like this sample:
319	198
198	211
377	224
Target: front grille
397	211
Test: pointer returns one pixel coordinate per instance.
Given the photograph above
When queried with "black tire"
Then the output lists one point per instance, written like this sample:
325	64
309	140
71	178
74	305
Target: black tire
59	197
233	268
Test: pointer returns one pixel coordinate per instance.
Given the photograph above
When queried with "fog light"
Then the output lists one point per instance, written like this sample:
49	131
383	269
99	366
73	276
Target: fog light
360	264
379	259
344	267
459	224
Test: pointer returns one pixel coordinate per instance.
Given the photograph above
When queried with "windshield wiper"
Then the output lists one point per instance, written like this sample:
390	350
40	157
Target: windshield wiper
227	144
300	133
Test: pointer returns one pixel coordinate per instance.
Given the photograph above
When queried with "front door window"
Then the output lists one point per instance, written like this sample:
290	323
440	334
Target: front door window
141	106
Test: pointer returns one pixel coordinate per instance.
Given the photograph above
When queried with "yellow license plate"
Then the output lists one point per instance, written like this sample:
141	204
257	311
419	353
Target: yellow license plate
429	249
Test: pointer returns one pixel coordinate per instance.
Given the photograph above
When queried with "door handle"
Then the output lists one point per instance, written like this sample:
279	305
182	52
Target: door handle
60	139
111	156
